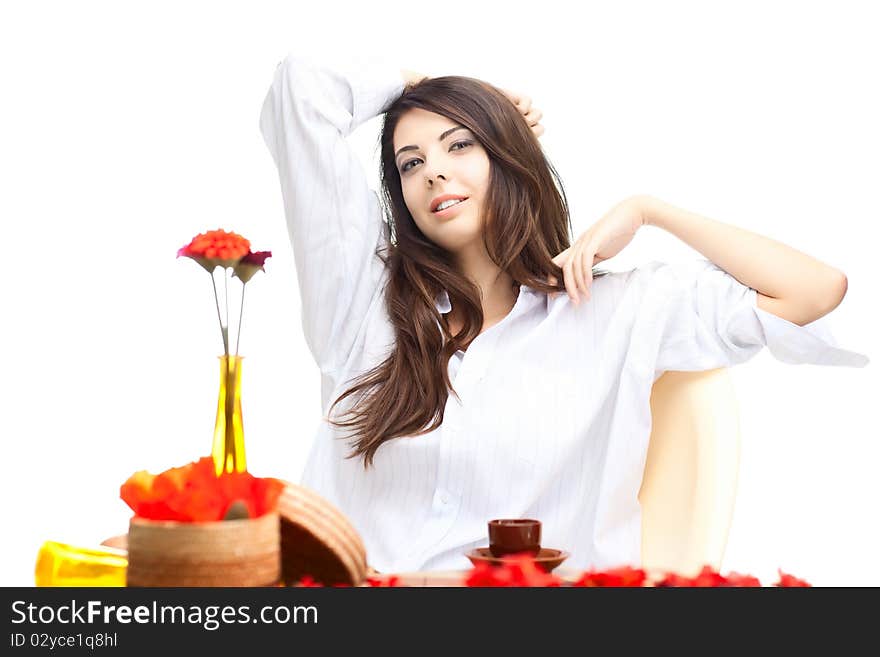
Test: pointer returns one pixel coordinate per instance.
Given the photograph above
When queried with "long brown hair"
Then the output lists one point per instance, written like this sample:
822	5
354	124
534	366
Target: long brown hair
526	224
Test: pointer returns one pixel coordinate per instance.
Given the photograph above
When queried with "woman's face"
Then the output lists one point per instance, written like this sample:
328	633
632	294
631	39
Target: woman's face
436	157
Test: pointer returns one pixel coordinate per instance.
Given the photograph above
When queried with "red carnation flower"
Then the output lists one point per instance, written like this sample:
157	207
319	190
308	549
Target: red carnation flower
250	264
230	251
216	247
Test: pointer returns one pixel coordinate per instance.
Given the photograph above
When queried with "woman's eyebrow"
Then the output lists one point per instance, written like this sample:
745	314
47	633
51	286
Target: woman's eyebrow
440	138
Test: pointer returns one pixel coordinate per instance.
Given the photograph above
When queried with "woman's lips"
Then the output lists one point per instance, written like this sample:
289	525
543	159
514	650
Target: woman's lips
450	211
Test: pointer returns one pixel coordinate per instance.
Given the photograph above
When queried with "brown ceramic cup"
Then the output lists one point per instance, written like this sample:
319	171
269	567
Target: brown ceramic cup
513	535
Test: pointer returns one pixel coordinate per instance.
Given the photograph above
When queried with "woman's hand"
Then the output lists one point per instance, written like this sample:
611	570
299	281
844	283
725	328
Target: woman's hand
532	115
601	241
411	77
523	103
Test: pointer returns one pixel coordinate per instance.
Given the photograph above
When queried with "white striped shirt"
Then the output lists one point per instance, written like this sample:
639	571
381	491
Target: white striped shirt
554	417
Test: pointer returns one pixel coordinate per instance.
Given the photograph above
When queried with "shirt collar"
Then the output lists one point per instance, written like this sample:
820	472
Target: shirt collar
443	305
442	302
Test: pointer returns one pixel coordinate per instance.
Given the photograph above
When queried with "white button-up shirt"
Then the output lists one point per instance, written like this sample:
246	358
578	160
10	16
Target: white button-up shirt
552	419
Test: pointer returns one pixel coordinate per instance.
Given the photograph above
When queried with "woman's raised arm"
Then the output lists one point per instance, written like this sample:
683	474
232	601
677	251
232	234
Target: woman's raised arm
333	216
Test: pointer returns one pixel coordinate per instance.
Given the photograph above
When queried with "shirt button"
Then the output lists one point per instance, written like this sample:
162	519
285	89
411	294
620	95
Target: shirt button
444	498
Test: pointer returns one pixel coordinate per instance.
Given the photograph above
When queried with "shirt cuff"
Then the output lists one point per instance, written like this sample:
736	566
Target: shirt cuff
812	343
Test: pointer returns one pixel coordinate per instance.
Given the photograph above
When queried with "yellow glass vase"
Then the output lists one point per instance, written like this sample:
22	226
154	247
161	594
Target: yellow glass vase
228	450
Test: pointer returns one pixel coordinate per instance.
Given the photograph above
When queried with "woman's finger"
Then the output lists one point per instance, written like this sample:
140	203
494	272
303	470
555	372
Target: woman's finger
534	116
570	284
523	103
551	280
512	95
559	261
577	269
560	258
587	258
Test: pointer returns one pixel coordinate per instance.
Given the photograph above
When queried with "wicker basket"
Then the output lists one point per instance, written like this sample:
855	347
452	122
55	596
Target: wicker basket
318	540
223	553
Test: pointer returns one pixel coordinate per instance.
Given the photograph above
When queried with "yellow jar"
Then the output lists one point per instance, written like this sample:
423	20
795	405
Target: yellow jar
59	564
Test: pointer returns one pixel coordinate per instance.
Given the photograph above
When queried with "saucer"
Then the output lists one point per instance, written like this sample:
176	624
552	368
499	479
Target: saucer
547	558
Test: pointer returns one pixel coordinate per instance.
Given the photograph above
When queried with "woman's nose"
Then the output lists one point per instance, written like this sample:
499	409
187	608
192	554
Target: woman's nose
432	177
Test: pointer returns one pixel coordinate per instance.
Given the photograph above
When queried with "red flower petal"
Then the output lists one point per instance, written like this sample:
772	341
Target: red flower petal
250	264
216	247
193	493
307	581
256	258
736	579
377	582
520	570
623	576
787	580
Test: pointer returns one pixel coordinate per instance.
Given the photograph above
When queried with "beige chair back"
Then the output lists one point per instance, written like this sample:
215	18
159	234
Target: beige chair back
689	484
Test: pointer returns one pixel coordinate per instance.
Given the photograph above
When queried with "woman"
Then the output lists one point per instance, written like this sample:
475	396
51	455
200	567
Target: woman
549	414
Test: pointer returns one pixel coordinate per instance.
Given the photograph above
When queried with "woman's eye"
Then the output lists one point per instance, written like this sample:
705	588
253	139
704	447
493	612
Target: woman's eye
406	167
463	144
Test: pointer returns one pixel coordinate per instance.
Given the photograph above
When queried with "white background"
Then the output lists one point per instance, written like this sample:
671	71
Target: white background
128	128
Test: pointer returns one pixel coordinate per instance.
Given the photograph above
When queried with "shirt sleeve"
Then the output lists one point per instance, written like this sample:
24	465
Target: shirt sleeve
334	218
704	318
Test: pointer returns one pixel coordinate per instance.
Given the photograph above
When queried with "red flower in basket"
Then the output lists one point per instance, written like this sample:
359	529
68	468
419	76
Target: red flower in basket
194	493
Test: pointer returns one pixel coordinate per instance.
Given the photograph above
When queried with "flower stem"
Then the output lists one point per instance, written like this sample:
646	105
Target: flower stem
226	307
217	304
240	315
